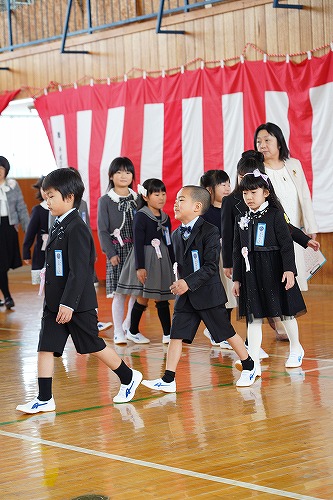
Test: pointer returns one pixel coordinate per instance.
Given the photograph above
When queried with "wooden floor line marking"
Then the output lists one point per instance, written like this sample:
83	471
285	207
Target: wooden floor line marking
165	468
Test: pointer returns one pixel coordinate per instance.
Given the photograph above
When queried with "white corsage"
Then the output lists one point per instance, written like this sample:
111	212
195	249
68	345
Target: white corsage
156	244
245	253
116	234
244	222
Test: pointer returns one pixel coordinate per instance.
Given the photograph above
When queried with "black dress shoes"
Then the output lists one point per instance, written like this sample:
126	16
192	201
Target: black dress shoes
9	303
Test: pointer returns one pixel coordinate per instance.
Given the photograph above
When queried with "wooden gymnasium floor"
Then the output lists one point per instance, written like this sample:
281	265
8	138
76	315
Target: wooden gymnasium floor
209	441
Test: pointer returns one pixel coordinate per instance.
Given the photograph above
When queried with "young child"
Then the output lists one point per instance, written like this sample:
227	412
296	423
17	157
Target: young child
198	288
70	297
38	232
147	272
115	232
264	267
217	183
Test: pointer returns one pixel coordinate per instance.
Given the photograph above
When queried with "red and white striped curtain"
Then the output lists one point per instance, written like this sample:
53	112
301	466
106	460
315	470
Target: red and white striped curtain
176	127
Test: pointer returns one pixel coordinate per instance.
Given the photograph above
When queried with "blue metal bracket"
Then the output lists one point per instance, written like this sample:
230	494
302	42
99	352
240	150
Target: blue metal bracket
159	19
64	35
278	5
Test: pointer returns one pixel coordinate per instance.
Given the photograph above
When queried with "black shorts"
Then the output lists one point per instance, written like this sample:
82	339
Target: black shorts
185	323
82	328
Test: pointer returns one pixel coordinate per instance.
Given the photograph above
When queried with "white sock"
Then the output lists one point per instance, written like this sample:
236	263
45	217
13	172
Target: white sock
291	328
127	320
118	308
254	338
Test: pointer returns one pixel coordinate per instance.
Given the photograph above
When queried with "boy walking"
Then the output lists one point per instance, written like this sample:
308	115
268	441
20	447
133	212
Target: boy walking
200	294
70	298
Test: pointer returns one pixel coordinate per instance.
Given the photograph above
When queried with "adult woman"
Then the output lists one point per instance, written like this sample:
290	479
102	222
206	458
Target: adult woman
13	211
289	182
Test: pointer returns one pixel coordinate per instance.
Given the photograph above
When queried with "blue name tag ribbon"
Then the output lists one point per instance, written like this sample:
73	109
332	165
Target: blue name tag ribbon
260	236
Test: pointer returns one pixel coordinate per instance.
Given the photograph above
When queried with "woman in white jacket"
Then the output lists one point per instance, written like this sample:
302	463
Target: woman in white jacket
289	182
13	211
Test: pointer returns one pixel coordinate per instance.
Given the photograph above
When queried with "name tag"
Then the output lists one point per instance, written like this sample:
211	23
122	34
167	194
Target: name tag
195	260
167	236
260	236
59	271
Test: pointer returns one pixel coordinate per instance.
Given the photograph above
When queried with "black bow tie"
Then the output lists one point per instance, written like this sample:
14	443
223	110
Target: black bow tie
185	229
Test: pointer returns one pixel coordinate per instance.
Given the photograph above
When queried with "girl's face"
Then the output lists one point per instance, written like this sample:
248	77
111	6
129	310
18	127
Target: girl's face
2	174
122	178
156	201
256	197
220	191
268	145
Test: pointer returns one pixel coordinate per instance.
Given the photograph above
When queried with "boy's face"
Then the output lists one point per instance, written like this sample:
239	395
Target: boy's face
56	204
185	208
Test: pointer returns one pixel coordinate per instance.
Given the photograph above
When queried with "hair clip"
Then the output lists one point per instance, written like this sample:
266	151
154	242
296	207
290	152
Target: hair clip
257	173
142	190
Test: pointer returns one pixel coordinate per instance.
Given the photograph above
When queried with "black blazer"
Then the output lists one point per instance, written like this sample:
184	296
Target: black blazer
75	287
205	287
234	205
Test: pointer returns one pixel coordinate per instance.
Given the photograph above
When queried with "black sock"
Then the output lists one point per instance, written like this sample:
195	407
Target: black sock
4	284
45	388
168	376
137	311
248	364
163	311
124	372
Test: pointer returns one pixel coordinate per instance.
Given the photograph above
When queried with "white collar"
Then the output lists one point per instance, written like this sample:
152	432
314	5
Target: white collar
191	224
116	198
261	208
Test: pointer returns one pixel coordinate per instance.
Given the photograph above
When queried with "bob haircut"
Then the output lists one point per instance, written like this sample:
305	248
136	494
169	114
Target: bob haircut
213	178
67	181
276	132
120	163
250	182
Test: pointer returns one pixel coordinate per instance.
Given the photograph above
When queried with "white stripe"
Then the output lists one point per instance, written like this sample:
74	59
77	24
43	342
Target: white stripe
152	143
112	143
233	130
192	140
84	119
277	107
165	468
59	140
322	132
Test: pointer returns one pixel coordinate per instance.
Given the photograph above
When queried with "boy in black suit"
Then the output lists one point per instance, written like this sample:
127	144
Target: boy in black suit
200	293
70	298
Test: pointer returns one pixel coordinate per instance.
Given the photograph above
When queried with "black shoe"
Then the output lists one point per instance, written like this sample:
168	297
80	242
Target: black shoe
9	303
2	303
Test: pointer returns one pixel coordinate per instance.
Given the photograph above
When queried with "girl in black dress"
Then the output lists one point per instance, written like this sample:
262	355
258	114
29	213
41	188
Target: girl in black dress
264	267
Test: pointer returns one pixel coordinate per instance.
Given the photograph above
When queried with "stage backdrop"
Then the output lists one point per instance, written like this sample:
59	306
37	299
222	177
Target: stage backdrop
176	127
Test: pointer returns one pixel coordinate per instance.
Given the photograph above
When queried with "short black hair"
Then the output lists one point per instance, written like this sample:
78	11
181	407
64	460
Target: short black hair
212	178
67	181
276	132
201	195
38	186
120	163
5	164
152	186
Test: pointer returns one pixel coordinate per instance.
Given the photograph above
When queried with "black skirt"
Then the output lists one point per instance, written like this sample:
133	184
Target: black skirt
10	256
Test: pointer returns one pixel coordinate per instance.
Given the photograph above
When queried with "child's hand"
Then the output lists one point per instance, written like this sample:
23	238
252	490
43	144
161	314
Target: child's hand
64	314
114	261
179	287
228	272
315	245
235	289
141	275
289	277
27	262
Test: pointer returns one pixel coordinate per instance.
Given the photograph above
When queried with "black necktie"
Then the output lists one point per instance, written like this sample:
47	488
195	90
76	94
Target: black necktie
55	225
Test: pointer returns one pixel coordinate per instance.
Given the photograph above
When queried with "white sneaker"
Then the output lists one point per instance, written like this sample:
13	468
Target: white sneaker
207	334
165	339
295	359
247	378
225	345
119	338
159	385
239	366
138	338
103	326
36	406
262	354
127	392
